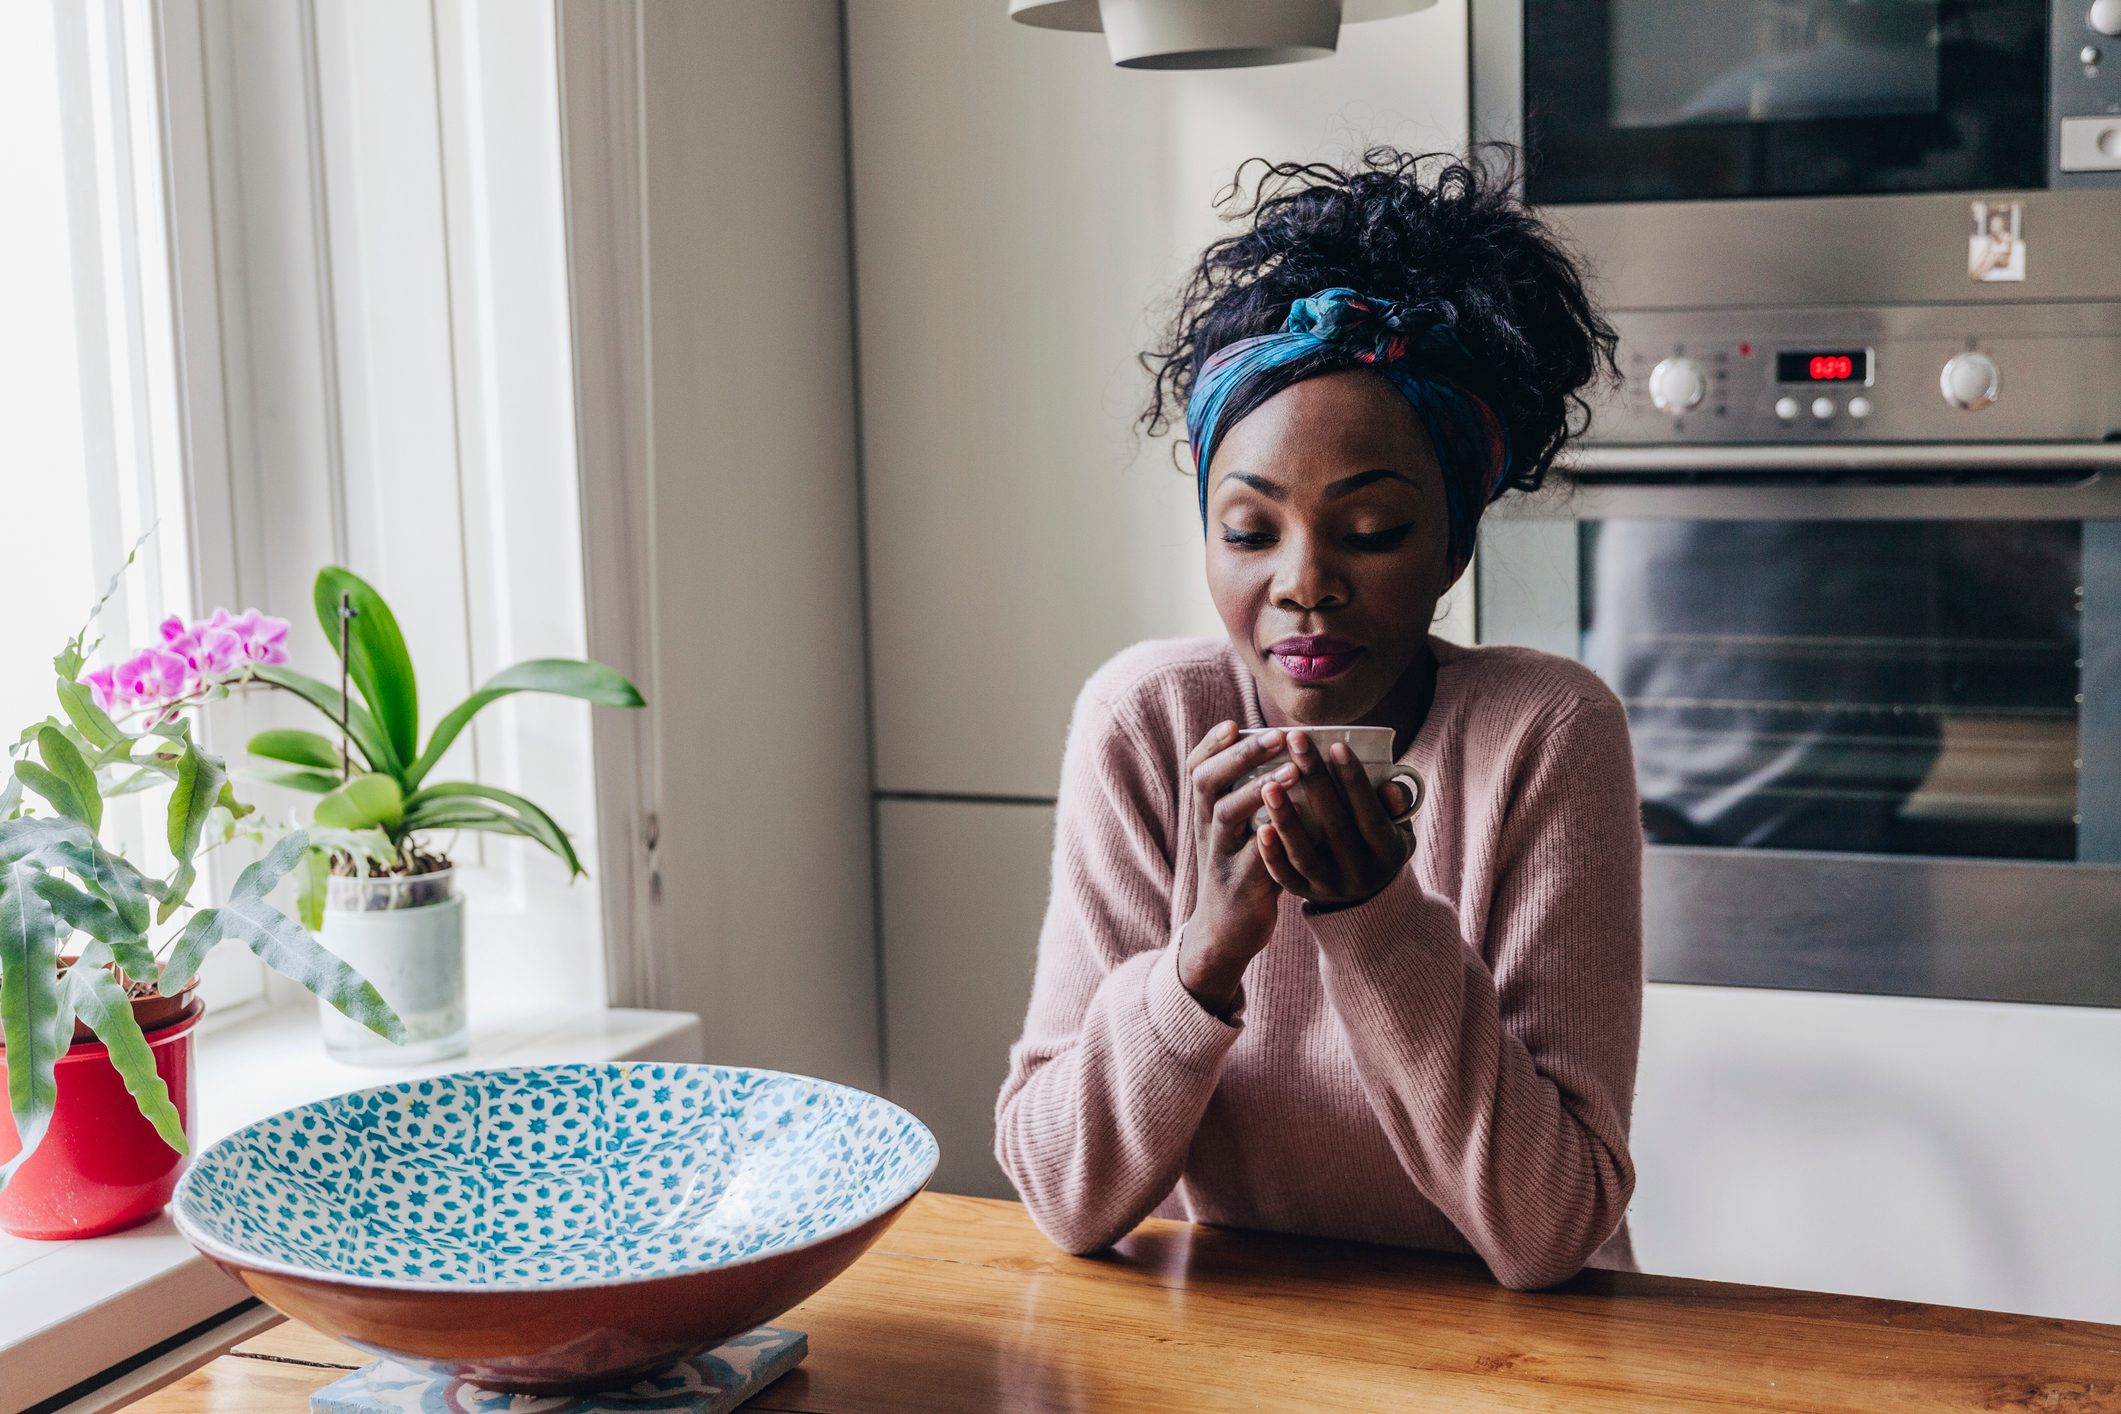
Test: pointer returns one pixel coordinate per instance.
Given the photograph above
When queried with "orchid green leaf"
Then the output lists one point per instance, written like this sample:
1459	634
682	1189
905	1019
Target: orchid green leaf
564	677
296	748
367	737
365	802
375	656
315	782
534	822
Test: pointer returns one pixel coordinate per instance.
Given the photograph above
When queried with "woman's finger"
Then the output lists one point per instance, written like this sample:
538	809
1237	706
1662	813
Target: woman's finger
1326	807
1230	817
1371	821
1275	857
1220	770
1297	845
1217	737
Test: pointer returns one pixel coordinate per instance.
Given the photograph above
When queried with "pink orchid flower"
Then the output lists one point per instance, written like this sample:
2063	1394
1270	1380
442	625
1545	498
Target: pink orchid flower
216	651
103	683
152	675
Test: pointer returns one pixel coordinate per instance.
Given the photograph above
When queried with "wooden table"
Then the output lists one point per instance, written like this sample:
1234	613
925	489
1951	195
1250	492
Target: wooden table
964	1306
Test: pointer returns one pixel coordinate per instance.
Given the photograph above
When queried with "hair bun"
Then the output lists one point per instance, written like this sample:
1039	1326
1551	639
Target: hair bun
1399	255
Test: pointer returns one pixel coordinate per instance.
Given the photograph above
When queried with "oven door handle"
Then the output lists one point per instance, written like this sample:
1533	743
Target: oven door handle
1599	461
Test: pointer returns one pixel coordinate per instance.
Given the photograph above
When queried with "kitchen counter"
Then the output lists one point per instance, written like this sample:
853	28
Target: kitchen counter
964	1306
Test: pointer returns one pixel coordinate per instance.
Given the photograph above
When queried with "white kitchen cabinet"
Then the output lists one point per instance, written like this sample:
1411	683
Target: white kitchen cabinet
964	891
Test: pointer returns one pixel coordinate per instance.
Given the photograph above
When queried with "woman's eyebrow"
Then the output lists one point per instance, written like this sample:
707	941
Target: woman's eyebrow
1346	486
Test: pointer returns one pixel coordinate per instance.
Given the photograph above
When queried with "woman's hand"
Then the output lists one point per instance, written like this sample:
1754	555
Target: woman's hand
1235	900
1343	847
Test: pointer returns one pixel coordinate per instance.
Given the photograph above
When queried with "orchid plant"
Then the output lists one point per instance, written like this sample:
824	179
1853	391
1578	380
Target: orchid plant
83	928
377	797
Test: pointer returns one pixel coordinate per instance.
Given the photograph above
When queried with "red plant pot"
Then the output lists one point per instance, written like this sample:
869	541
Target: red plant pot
101	1166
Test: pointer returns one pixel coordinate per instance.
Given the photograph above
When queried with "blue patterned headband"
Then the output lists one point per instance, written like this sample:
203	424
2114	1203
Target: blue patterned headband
1406	344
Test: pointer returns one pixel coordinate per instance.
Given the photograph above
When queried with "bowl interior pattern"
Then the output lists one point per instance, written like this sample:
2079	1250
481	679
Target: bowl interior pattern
554	1175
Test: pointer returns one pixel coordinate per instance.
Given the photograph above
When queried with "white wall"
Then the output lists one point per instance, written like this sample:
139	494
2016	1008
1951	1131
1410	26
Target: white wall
1019	204
765	920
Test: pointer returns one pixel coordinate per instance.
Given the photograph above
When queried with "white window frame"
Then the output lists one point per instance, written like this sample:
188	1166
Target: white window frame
369	257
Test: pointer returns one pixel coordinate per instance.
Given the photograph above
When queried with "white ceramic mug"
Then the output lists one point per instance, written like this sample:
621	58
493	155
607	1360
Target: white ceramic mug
1370	745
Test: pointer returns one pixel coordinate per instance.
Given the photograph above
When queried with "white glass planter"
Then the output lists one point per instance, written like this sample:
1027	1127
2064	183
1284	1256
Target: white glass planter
406	936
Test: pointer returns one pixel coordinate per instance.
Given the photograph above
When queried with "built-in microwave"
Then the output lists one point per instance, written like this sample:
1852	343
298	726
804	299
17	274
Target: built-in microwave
1846	538
1868	151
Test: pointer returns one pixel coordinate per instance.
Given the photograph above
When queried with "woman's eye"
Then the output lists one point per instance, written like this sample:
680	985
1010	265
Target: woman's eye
1381	539
1247	539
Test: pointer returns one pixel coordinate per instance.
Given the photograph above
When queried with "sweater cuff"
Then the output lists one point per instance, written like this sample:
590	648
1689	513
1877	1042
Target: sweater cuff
1381	922
1190	1033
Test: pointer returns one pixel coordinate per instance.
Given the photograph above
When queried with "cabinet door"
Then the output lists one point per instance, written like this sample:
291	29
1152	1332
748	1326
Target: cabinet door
964	892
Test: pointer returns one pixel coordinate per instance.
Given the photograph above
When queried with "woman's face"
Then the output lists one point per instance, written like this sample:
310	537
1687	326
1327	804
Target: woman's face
1327	545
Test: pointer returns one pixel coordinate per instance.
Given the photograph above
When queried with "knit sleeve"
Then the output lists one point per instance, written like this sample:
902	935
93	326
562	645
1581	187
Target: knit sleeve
1117	1059
1506	1090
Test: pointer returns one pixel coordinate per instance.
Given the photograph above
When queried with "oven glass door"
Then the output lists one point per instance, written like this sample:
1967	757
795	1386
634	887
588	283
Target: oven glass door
1875	754
1648	100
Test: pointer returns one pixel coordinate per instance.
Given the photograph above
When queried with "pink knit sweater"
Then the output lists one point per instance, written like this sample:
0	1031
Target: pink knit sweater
1448	1065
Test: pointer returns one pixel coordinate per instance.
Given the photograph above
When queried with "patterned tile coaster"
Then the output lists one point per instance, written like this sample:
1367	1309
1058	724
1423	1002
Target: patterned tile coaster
706	1384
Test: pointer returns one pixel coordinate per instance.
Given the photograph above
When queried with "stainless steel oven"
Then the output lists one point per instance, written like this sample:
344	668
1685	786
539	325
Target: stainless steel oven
1847	540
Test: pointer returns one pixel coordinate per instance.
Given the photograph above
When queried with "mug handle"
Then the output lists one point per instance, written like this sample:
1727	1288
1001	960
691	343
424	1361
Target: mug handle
1417	791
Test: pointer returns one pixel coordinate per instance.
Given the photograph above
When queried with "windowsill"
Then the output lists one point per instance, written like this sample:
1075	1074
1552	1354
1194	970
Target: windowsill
71	1310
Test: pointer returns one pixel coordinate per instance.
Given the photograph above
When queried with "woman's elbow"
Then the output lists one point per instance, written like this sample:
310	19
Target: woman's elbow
1063	1210
1537	1272
1566	1247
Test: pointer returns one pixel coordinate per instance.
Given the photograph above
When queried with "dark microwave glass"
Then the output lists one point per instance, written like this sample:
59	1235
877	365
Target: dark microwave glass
1671	100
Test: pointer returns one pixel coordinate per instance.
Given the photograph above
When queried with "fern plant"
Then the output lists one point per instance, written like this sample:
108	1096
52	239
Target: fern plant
83	928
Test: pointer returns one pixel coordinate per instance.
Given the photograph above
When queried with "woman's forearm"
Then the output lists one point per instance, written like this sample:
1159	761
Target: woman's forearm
1093	1128
1530	1165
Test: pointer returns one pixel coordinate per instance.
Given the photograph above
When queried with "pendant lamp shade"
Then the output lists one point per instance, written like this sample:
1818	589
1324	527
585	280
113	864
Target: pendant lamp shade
1210	34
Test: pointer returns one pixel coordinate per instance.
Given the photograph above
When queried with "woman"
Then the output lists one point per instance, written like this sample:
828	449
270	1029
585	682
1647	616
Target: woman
1333	1026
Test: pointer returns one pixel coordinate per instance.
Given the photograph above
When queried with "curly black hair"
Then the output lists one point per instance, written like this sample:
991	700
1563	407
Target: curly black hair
1440	232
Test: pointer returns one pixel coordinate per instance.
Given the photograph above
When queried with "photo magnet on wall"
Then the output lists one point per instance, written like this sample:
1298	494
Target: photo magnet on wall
1995	247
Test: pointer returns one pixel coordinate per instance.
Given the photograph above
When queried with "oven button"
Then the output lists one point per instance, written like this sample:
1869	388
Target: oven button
1786	409
1859	408
2105	17
1822	408
1678	384
1970	380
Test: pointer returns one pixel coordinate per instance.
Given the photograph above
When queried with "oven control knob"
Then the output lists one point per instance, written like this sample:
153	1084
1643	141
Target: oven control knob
2105	16
1970	379
1678	384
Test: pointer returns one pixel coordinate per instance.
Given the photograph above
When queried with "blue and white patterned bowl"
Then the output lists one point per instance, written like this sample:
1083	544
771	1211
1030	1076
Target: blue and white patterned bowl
557	1227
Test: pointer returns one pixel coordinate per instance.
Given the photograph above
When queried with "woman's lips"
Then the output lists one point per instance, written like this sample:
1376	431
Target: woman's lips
1315	657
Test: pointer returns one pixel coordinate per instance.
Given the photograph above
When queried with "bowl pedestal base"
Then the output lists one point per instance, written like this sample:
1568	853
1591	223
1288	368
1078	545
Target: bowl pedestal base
713	1383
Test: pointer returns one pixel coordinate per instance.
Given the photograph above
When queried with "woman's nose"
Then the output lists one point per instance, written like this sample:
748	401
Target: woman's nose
1304	579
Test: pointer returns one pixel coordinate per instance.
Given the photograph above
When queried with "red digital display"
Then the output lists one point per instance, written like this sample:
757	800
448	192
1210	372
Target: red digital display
1823	366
